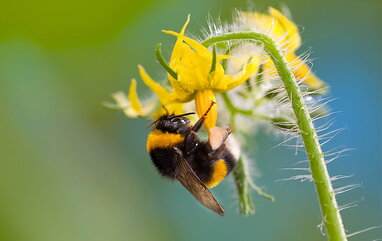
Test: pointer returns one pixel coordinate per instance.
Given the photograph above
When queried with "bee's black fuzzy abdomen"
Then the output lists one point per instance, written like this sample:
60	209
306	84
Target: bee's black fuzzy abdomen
164	159
200	161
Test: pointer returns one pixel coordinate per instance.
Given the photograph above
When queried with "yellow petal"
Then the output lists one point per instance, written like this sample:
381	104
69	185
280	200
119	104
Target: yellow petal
133	97
176	52
274	24
221	57
302	71
185	25
293	39
125	105
200	49
203	101
263	23
243	75
191	66
159	90
217	79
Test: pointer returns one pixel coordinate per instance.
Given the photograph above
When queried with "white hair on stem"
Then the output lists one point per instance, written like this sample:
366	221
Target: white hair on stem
341	190
306	169
362	231
348	206
301	178
336	155
339	177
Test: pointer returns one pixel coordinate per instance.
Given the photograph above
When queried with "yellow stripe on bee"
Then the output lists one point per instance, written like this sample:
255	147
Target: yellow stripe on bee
159	139
219	172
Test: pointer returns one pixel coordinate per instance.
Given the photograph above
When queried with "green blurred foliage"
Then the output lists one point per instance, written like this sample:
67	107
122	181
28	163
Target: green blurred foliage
63	24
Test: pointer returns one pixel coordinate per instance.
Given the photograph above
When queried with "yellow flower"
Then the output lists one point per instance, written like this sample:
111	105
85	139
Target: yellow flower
199	76
132	107
198	79
286	34
163	95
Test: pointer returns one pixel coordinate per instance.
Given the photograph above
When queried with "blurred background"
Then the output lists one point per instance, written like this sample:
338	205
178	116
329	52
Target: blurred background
72	170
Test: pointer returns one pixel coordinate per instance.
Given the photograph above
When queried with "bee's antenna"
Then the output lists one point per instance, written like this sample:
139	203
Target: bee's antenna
185	114
152	123
164	107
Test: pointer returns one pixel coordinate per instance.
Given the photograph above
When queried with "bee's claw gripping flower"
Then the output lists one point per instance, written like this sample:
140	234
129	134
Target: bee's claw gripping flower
286	34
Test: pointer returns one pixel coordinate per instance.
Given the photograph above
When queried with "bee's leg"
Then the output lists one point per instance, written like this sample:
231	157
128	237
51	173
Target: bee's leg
190	143
199	123
177	150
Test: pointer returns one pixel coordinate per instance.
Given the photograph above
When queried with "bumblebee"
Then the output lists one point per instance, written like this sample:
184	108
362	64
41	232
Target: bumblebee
178	154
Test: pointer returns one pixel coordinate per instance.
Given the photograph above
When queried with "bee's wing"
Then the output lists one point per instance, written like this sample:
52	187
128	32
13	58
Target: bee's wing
196	187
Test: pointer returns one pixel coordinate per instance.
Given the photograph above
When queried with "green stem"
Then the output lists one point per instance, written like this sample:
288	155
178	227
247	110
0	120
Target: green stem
241	174
233	108
242	185
329	208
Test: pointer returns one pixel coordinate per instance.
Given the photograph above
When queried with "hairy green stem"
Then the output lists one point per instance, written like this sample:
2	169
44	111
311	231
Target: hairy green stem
240	174
329	208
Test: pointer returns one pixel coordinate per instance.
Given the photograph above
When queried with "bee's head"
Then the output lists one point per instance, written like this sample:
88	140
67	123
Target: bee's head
172	123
